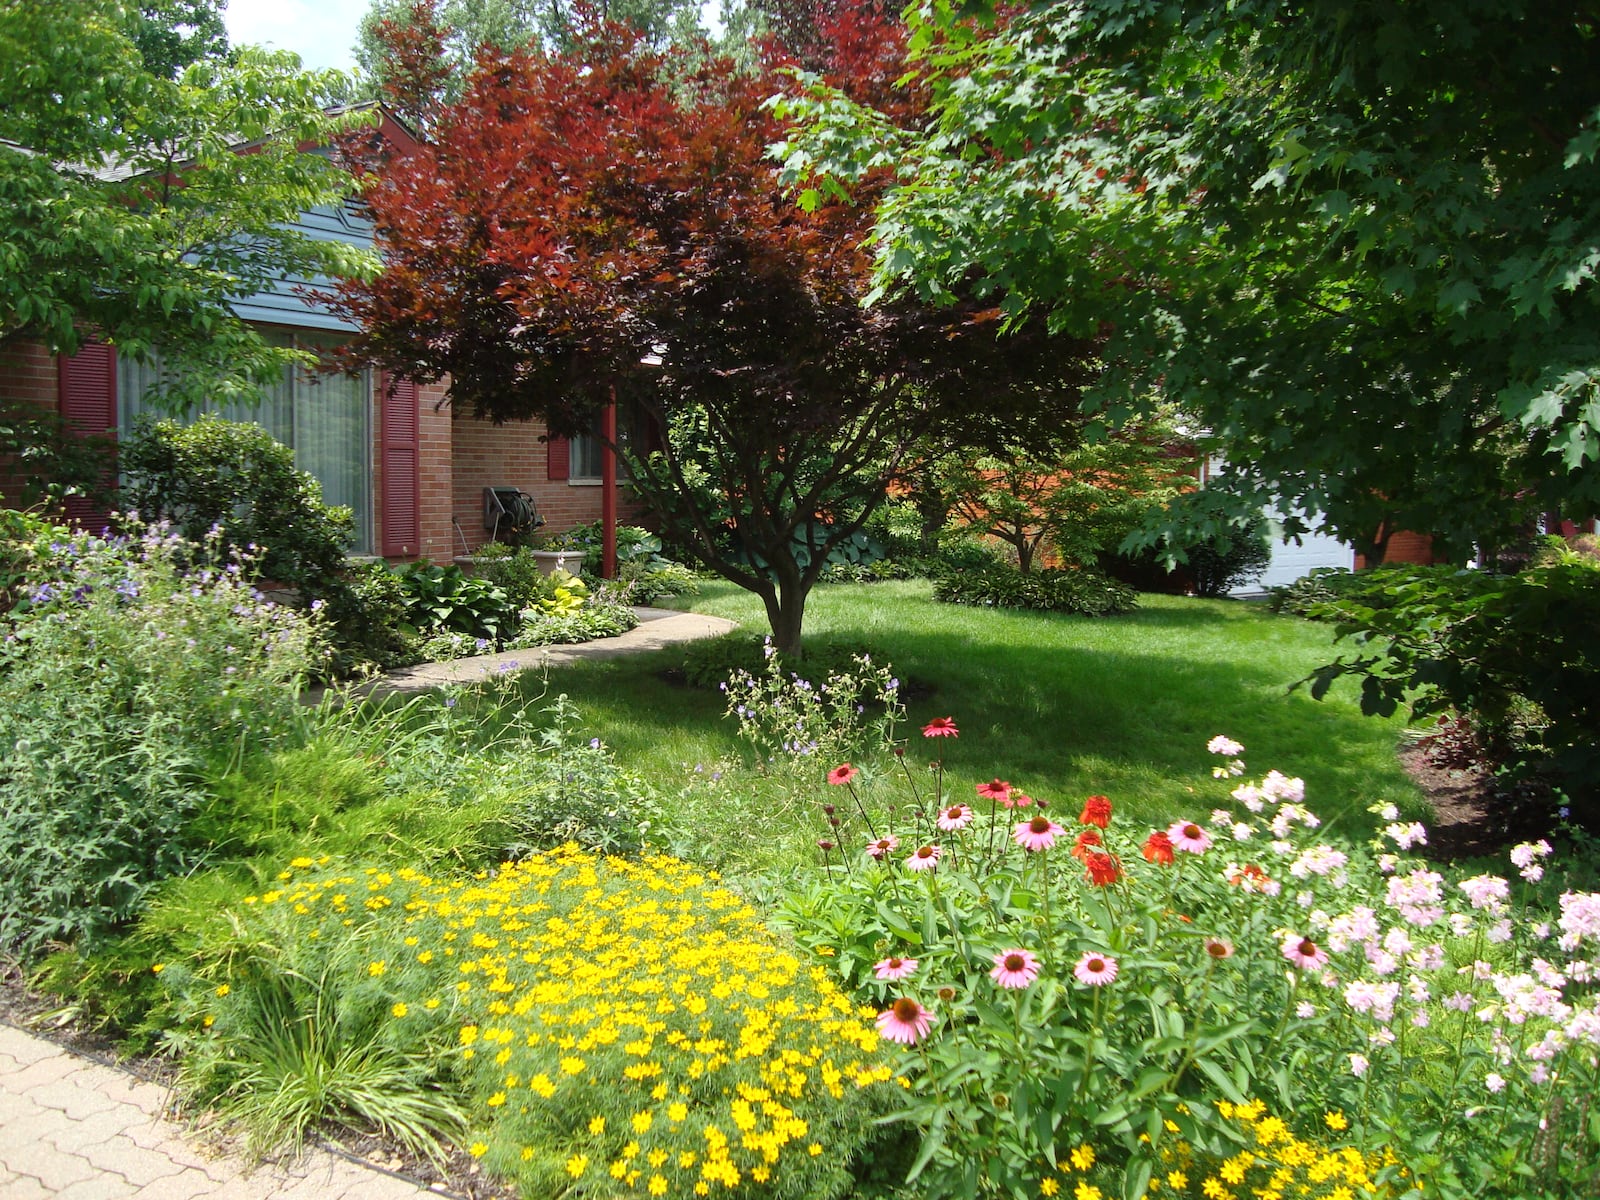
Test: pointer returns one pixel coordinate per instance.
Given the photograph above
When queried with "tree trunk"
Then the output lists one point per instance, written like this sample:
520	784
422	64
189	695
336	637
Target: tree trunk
786	610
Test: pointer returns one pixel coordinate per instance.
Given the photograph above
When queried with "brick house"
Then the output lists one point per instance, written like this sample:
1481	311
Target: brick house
411	468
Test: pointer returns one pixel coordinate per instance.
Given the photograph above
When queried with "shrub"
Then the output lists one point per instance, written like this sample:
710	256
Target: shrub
1218	565
446	598
1082	591
368	622
1507	652
709	662
124	680
1063	982
232	475
608	1023
24	538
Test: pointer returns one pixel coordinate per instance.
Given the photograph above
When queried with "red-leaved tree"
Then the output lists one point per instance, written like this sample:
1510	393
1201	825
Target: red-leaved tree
608	222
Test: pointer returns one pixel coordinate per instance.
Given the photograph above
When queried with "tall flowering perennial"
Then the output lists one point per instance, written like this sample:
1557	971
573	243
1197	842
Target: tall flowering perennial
792	722
622	1027
1136	990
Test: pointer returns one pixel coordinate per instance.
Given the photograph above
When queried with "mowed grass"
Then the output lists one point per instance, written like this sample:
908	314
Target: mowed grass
1061	706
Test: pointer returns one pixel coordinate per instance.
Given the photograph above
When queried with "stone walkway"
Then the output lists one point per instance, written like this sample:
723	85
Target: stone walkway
657	628
76	1129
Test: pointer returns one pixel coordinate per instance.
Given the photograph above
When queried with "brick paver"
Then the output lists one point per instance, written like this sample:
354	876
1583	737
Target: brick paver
74	1129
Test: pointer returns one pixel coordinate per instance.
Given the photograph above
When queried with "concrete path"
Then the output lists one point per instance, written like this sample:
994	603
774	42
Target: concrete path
78	1130
658	627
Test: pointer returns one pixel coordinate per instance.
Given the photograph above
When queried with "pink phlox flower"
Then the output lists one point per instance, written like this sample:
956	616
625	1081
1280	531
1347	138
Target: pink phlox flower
1249	795
1225	746
1381	961
1429	958
893	968
1381	1036
1037	834
1359	925
1242	832
1358	1065
1416	896
1580	918
1417	989
1095	969
1407	836
1278	787
1014	968
1317	860
1189	837
1488	892
905	1021
1375	1000
924	858
1494	1082
956	816
1397	942
1500	932
1459	1001
1524	853
1221	816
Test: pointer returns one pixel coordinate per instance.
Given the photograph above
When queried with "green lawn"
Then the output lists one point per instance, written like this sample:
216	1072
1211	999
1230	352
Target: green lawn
1062	706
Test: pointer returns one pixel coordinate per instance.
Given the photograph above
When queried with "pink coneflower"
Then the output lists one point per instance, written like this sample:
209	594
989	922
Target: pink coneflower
1021	799
1219	948
879	847
895	968
1037	834
1096	970
925	859
1096	811
941	727
996	789
842	774
905	1021
957	816
1303	952
1014	969
1188	837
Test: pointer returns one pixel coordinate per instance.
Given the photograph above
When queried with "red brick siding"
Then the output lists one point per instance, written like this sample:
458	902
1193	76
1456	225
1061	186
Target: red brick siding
511	455
29	374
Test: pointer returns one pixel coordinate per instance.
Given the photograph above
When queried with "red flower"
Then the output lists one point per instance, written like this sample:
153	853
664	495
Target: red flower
1096	811
997	789
1103	869
842	774
1087	841
941	727
1158	848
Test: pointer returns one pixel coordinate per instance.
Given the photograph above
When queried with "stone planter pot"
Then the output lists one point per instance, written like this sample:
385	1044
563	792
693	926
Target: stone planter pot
550	561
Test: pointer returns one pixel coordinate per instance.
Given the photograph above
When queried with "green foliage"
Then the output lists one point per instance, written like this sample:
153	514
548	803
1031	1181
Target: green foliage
25	537
233	475
1218	565
606	614
793	721
101	234
50	460
1504	651
171	34
513	569
123	679
1384	318
708	663
1066	982
367	619
649	574
1081	590
446	598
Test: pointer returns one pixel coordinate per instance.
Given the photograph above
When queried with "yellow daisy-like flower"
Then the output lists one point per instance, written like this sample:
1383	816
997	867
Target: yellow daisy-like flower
157	968
477	1149
642	1122
300	863
577	1165
814	1149
658	1185
677	1110
1048	1186
377	967
1177	1180
1086	1191
573	1066
400	1009
223	990
1083	1157
496	1100
1336	1121
597	1125
527	1154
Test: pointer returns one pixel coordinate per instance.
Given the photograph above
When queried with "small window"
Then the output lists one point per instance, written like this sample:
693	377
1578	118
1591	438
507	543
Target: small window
585	465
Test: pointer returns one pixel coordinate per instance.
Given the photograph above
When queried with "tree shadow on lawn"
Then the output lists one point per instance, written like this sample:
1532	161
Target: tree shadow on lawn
1066	706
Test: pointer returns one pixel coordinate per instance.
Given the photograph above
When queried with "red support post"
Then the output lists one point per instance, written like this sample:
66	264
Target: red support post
608	489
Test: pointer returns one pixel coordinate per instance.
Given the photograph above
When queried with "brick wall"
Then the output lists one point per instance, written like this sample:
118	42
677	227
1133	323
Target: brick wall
511	455
28	374
436	474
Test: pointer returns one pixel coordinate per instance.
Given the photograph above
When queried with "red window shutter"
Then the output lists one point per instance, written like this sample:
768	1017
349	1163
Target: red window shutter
399	474
87	396
558	458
